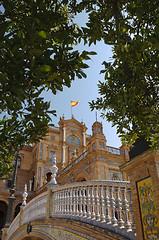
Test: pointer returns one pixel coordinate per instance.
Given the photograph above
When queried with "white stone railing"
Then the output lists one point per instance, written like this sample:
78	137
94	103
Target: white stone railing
13	227
116	151
35	209
101	203
105	204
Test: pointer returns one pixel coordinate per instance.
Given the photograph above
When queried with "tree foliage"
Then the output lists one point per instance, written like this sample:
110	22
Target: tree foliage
129	96
36	54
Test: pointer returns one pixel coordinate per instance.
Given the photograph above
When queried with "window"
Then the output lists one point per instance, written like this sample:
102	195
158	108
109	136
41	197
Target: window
41	150
73	139
39	177
101	144
99	129
48	176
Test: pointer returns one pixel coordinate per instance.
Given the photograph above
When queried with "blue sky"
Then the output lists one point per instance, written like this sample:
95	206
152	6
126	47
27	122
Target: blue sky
85	90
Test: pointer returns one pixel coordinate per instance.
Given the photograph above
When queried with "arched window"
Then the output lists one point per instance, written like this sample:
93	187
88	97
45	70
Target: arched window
73	140
48	176
17	210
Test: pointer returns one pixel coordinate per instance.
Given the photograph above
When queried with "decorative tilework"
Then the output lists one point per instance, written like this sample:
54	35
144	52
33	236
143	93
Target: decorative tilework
150	222
59	233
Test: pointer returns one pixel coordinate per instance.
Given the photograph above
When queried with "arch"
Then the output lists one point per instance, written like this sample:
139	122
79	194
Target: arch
35	236
82	177
73	140
17	209
51	229
48	176
3	213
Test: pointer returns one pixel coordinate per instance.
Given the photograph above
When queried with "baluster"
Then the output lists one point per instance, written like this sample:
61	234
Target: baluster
96	203
92	203
107	205
131	210
118	207
125	209
88	202
73	202
65	202
62	203
58	202
70	202
80	202
55	202
77	202
112	206
101	202
84	202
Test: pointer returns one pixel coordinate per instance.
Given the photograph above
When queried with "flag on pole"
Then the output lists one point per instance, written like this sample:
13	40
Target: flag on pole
74	103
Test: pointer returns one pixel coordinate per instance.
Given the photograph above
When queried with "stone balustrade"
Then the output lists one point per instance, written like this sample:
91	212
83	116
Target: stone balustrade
106	204
14	226
35	209
100	201
115	151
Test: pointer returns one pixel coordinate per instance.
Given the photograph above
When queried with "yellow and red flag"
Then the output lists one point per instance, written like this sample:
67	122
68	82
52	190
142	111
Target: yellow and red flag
74	103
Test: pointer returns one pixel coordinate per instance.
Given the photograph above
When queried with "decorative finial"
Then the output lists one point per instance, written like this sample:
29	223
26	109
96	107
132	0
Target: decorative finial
54	170
63	117
25	194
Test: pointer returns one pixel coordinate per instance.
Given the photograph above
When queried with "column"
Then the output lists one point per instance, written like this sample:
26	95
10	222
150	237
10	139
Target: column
64	134
84	139
63	155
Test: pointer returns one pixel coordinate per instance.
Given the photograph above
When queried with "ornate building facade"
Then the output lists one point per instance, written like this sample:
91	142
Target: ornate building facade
79	157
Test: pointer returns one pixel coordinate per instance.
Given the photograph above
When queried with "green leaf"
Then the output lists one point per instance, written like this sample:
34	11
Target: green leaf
42	34
45	68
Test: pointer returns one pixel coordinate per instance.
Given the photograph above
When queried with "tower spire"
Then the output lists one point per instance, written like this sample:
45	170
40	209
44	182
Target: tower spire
96	116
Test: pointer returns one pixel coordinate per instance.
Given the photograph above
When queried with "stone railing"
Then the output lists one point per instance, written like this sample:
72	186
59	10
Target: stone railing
105	204
35	209
116	151
14	226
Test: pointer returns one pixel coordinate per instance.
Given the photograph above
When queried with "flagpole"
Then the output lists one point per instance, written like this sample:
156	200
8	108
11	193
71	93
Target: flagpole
71	110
